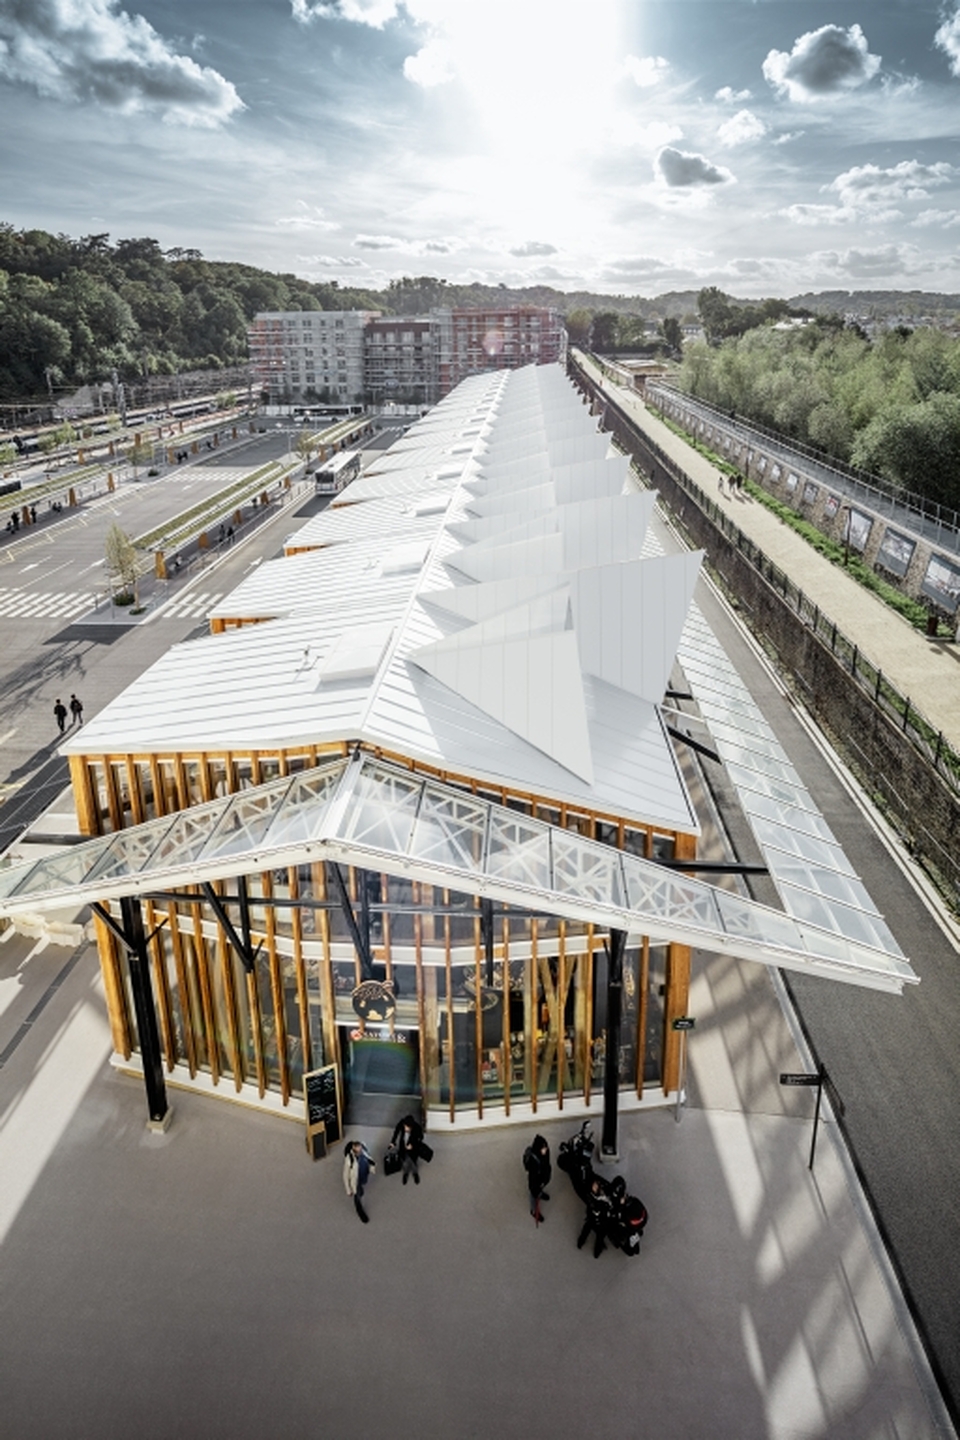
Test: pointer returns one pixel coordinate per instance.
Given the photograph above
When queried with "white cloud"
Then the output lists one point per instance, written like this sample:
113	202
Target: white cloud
646	70
945	219
947	39
683	169
828	61
377	242
885	260
652	136
337	262
787	136
637	268
741	128
870	186
362	12
310	217
91	50
727	96
818	214
432	65
533	247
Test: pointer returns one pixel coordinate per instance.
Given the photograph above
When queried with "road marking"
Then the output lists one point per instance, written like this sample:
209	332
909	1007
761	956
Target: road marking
32	566
8	736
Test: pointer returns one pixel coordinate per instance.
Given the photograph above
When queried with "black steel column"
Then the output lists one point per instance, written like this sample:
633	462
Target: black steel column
147	1028
611	1069
486	931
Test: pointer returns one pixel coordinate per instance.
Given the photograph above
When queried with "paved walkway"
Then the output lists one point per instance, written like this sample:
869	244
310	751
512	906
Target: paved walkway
926	671
213	1282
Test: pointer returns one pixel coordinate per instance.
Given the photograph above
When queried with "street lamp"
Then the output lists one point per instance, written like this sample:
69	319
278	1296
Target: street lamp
845	510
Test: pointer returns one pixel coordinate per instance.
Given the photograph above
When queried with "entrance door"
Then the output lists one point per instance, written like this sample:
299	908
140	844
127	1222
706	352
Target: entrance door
381	1077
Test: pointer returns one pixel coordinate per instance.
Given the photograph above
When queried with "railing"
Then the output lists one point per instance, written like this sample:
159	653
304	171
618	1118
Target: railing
879	494
925	739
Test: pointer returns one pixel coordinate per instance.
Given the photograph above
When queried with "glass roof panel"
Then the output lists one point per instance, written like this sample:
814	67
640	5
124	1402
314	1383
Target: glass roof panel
750	921
187	836
808	822
303	811
828	883
843	920
588	869
13	875
519	849
384	809
450	829
794	795
785	841
244	824
659	891
129	851
57	872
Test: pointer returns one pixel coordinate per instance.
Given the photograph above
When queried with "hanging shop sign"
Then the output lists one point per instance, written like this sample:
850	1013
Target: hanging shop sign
374	1000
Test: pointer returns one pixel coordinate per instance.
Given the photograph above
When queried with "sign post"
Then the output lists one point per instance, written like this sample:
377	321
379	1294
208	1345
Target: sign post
820	1078
682	1023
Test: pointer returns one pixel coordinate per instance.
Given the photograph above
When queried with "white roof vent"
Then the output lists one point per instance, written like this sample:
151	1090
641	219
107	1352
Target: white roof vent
403	558
356	654
434	503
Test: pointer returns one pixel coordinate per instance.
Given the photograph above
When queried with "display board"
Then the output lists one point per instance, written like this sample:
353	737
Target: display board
322	1096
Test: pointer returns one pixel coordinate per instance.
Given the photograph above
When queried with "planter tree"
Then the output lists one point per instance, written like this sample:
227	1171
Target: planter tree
121	562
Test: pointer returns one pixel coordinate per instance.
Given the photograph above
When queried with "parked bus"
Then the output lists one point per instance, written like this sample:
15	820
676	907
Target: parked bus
332	475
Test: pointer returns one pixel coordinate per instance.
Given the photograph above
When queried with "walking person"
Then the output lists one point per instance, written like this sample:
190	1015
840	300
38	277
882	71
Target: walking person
536	1162
407	1140
60	711
76	710
598	1216
720	482
358	1166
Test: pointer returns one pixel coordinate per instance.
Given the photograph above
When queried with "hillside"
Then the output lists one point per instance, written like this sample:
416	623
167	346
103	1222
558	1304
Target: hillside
73	311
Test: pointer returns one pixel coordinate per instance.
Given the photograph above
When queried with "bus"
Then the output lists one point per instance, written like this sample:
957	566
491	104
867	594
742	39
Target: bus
332	475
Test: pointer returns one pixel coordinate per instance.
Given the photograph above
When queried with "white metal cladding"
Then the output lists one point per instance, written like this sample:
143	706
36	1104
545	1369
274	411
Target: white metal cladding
377	816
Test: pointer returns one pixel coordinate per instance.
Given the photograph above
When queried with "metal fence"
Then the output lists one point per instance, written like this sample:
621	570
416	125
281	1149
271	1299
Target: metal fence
931	832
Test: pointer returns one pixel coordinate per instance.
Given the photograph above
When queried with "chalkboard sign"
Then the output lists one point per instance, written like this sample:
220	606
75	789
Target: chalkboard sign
323	1104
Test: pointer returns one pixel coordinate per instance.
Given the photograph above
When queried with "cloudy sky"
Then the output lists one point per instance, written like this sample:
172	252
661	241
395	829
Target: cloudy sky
626	146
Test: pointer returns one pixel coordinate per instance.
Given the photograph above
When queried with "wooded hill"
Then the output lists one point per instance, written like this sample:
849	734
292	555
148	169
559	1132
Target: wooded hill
73	310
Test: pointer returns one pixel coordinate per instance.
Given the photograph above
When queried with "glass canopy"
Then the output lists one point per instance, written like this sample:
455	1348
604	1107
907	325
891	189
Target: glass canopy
365	812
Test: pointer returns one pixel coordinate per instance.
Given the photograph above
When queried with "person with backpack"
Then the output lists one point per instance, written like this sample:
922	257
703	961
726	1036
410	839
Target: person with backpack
536	1162
76	710
358	1166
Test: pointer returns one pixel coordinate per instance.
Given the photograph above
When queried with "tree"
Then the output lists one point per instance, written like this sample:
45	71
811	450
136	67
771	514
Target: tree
121	562
305	446
578	322
606	327
672	333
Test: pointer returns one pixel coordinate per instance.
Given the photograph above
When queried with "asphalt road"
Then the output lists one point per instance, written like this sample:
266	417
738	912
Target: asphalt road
894	1059
56	640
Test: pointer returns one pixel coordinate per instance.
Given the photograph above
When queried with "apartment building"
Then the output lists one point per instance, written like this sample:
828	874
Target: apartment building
309	354
346	356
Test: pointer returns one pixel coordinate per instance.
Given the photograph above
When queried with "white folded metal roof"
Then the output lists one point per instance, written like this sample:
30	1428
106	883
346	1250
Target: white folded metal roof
555	697
363	812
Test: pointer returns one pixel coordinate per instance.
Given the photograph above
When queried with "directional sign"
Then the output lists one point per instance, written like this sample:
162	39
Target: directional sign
800	1079
684	1022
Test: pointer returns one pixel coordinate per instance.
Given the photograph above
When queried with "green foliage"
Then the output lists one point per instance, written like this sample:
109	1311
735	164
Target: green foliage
578	322
891	406
121	561
71	311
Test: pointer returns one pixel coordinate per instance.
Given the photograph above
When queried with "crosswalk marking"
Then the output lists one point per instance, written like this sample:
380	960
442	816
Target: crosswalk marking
40	604
197	602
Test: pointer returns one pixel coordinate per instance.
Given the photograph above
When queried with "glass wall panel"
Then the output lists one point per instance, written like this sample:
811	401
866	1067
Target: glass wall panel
656	989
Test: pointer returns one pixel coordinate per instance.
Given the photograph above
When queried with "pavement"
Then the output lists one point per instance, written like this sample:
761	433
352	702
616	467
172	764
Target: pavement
925	671
214	1282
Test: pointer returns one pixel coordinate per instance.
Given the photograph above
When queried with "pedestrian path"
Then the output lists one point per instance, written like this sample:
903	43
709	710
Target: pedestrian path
192	604
38	604
927	672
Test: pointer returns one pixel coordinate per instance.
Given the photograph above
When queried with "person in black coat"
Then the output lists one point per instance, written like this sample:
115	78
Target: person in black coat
407	1139
536	1162
598	1217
